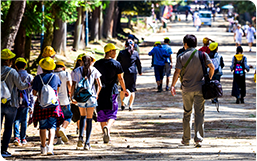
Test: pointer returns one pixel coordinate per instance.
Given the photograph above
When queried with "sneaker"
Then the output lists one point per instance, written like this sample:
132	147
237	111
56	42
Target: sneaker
198	144
43	150
184	143
237	101
122	108
5	154
130	109
24	141
63	135
59	141
106	136
242	100
50	150
87	146
167	88
17	141
80	143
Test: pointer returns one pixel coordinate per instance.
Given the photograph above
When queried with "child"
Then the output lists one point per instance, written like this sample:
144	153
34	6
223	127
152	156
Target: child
47	52
48	118
64	91
239	65
205	47
9	105
24	104
238	35
87	108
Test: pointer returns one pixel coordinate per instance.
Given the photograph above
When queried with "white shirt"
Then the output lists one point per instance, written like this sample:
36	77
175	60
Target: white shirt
250	32
63	95
39	70
239	33
94	75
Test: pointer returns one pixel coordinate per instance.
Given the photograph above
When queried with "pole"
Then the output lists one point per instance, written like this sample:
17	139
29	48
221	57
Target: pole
86	28
42	33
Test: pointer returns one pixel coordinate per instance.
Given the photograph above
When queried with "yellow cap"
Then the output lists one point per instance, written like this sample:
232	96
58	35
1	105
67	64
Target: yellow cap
7	54
166	38
157	43
109	47
205	41
213	46
60	63
20	59
48	51
47	63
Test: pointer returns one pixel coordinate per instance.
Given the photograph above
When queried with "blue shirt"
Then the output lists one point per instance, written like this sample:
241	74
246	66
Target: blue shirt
159	55
169	51
54	83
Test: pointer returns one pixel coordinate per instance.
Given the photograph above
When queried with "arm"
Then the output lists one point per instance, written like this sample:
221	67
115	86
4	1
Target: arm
246	66
211	71
138	63
17	81
222	62
174	81
233	62
34	92
72	89
122	84
170	61
99	87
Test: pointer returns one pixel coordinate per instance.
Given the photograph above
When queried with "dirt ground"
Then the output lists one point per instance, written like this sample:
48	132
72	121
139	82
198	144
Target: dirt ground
153	130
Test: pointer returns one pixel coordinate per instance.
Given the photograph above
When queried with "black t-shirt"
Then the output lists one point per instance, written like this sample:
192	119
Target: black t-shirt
109	68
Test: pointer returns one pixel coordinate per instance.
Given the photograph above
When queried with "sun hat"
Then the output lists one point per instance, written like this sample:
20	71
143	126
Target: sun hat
205	40
7	54
213	46
48	52
60	63
109	47
166	38
157	43
20	59
47	63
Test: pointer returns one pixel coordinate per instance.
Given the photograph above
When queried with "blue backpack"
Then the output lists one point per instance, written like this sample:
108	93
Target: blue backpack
23	97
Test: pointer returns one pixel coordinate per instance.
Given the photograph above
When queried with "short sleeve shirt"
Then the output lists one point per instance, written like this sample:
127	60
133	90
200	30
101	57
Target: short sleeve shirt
94	75
63	95
239	33
54	83
192	79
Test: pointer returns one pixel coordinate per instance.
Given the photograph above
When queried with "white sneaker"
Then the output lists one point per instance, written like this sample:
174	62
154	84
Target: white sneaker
106	136
59	141
63	135
43	150
50	150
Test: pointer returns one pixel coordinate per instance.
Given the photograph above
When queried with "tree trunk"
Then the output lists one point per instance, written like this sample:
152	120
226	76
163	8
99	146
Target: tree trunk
82	44
129	21
27	51
100	23
60	34
19	43
115	20
78	29
118	28
108	20
95	24
49	35
12	23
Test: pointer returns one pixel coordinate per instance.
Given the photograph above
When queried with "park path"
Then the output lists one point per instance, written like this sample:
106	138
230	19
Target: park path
153	130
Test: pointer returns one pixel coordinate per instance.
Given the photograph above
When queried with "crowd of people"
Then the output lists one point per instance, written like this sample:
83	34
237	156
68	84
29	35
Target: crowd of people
93	86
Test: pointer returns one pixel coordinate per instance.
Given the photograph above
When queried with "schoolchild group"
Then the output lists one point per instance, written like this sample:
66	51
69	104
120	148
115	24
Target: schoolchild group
48	96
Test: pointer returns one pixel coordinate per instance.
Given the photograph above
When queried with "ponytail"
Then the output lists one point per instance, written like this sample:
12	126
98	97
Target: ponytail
87	62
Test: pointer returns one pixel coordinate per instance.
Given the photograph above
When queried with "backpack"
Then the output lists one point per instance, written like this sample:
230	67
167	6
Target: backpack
47	96
239	67
82	92
23	97
5	92
216	62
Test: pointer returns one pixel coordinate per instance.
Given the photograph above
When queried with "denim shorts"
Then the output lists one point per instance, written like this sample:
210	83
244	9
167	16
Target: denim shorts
48	123
67	112
91	102
167	70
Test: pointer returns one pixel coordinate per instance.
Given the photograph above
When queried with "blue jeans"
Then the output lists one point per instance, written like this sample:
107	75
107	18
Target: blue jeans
21	118
67	112
49	123
9	113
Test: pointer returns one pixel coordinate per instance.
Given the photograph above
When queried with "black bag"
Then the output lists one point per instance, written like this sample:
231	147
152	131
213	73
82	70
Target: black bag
211	88
76	113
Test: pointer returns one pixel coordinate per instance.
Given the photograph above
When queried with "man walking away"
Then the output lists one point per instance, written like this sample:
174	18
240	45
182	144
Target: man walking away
168	62
192	88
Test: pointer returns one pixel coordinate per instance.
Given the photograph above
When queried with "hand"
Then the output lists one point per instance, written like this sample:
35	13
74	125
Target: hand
126	93
173	91
171	66
74	101
140	74
250	66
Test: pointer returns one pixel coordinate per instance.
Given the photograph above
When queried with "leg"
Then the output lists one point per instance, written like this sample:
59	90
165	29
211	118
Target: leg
199	116
42	133
90	112
103	124
23	120
10	114
51	136
131	100
188	99
122	95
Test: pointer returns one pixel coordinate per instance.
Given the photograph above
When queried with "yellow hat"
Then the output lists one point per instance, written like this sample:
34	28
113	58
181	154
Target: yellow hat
166	38
157	43
7	54
20	59
60	63
205	41
80	56
109	47
213	46
47	63
48	51
90	54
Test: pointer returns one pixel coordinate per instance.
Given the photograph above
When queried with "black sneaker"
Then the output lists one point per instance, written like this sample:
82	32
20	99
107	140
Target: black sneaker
242	100
167	88
5	154
237	101
122	108
130	109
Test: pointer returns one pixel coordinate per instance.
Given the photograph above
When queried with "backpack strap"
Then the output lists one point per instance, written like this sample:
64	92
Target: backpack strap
50	79
26	78
7	75
41	79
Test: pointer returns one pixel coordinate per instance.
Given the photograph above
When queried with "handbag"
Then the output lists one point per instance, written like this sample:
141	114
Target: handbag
210	88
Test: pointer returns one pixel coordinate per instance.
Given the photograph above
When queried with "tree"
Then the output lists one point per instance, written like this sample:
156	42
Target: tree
11	25
60	35
78	28
108	20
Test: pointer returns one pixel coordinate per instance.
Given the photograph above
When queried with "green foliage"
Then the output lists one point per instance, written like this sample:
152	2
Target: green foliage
5	5
241	6
141	7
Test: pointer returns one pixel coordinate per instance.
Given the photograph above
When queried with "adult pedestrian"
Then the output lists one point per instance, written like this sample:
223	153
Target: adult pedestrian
129	60
159	55
238	35
250	36
197	22
168	62
107	108
239	65
86	109
192	88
